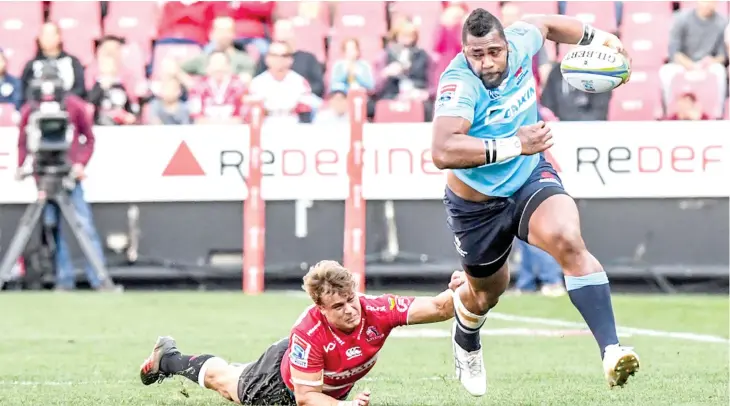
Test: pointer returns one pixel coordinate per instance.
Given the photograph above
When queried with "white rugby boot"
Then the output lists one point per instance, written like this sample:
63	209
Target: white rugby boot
619	363
469	367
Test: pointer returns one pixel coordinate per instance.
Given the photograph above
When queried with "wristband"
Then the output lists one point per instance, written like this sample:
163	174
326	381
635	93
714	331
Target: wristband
592	36
502	149
345	403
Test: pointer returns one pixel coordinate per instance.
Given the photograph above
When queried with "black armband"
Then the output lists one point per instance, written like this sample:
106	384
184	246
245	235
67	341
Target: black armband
588	34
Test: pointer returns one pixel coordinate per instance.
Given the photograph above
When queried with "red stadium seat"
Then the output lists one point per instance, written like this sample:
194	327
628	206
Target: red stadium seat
295	9
310	36
80	24
539	7
645	32
20	23
703	84
137	25
8	115
396	111
491	6
601	14
425	15
638	100
360	18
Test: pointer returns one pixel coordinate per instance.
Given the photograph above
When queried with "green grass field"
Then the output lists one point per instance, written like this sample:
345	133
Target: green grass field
85	349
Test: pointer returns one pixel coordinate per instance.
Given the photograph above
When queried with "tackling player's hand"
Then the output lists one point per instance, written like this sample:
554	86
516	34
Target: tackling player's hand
362	399
457	279
535	138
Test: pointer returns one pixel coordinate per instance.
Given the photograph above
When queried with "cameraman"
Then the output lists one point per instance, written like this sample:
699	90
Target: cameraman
79	154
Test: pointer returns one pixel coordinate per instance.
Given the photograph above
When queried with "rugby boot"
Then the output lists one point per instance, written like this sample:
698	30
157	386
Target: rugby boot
619	363
150	370
469	367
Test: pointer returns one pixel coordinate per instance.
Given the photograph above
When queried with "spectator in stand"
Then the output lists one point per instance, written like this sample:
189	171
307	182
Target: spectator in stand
167	108
82	147
221	39
303	63
218	97
696	43
109	96
336	109
404	69
50	48
185	22
541	62
570	104
11	89
253	21
286	94
352	71
688	108
448	35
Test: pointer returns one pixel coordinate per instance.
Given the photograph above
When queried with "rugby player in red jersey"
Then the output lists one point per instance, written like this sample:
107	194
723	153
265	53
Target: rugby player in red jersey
331	346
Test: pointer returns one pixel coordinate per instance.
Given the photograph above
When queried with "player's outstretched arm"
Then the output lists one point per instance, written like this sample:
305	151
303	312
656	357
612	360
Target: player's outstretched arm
438	308
308	391
452	148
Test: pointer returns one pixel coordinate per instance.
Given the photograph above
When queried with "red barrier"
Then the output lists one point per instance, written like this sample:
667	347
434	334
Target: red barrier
354	243
254	209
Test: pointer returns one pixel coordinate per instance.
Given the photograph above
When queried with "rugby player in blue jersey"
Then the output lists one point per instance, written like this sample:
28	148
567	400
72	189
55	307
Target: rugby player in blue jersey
499	185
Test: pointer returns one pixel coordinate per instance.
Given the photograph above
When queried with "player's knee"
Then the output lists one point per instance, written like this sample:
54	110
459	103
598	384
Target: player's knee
485	301
567	244
218	377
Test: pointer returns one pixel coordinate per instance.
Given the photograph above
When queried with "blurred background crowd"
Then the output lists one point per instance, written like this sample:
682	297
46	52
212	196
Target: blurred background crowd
190	62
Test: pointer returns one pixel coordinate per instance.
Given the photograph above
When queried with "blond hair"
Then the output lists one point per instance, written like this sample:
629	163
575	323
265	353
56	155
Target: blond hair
328	277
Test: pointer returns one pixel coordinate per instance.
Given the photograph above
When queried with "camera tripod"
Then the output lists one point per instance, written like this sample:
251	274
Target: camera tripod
53	188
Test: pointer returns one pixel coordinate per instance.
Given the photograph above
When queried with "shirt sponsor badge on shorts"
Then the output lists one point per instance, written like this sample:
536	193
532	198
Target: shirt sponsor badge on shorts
299	354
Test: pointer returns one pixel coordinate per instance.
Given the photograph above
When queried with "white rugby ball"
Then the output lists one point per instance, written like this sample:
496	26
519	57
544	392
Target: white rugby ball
594	69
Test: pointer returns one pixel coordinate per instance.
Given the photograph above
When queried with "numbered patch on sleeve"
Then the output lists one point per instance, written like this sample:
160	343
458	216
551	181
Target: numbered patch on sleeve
402	303
448	94
299	353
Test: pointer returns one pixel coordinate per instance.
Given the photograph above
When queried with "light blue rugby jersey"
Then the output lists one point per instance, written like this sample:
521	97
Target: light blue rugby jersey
496	113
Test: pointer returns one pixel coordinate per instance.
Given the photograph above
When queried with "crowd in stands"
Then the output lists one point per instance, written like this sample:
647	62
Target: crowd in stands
188	62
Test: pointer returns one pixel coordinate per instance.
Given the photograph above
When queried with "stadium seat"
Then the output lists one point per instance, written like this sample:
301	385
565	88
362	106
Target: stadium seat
310	36
8	115
396	111
20	23
425	15
645	32
601	14
178	52
539	7
639	100
703	84
137	25
298	10
360	18
80	24
491	6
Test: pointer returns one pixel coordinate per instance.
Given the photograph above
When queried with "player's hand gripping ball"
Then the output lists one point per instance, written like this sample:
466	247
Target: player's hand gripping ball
597	68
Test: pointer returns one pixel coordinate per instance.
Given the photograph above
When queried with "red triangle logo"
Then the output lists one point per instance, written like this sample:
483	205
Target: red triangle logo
550	158
183	163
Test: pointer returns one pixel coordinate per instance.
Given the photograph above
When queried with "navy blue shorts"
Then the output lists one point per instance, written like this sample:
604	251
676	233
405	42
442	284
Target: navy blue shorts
484	231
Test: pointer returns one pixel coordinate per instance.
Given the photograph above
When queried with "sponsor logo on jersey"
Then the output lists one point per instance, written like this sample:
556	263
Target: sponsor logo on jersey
505	112
547	177
373	334
299	354
353	352
447	94
520	74
329	347
376	308
352	372
313	329
391	303
402	303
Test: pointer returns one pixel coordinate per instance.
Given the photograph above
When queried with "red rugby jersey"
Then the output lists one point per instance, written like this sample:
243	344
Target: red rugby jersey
217	100
345	358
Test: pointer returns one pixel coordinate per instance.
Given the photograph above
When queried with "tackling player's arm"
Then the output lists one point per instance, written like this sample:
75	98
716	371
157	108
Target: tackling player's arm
437	308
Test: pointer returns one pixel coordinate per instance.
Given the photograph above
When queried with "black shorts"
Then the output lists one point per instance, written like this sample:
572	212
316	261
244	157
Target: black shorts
484	231
261	382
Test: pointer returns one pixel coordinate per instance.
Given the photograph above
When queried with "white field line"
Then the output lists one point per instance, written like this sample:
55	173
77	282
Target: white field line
527	332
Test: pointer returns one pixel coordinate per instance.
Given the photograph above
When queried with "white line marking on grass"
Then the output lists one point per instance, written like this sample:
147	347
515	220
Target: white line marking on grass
530	332
625	330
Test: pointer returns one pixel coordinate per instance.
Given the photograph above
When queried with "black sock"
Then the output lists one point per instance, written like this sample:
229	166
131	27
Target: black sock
184	365
591	295
468	326
466	338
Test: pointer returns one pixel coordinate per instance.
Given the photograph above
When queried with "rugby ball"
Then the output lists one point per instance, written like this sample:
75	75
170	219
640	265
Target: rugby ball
594	69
